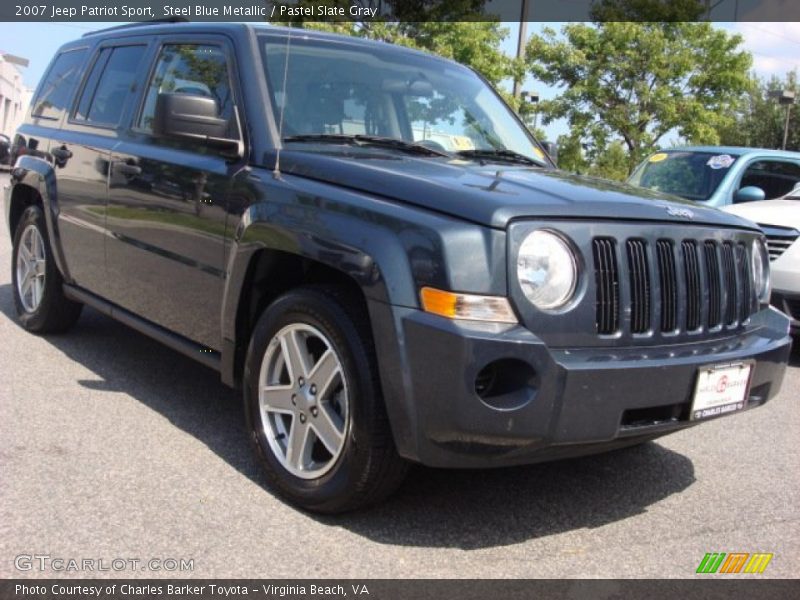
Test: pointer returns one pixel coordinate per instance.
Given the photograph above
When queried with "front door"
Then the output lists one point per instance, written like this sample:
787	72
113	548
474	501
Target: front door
166	204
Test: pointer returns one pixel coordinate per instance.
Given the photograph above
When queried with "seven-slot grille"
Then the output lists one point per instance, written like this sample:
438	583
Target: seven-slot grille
779	239
701	284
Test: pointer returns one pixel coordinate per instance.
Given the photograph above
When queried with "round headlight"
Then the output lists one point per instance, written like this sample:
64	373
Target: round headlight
760	259
547	270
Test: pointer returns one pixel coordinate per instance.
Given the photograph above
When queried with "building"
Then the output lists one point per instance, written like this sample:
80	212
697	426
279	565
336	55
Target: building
14	95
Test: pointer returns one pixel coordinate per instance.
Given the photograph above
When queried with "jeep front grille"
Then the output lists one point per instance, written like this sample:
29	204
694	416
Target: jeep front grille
714	284
702	284
607	279
640	285
729	271
668	280
694	296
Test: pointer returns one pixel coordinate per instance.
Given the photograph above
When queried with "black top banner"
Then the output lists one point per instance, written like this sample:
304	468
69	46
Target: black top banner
282	11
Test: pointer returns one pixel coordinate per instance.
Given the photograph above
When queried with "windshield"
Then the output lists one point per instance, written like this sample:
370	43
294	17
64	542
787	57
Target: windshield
340	88
693	175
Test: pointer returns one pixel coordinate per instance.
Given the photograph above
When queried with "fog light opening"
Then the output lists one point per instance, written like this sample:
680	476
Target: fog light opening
506	384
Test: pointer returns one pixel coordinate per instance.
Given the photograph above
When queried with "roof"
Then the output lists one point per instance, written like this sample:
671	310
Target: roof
734	150
170	26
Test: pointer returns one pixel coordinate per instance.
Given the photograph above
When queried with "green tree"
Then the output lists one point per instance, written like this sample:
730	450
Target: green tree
759	120
650	11
612	164
638	81
571	156
454	29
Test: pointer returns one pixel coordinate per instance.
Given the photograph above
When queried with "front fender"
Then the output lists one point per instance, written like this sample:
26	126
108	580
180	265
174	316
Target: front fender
38	174
388	248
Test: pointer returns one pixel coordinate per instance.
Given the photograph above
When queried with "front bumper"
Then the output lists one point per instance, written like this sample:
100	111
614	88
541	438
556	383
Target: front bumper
571	401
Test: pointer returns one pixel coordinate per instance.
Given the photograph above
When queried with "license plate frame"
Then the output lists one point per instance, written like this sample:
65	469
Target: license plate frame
721	389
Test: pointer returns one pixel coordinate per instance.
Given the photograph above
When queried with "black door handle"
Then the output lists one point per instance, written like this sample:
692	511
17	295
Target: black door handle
61	153
127	169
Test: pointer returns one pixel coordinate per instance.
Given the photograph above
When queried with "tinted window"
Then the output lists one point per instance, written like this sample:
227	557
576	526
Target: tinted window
190	69
109	84
776	178
91	83
56	89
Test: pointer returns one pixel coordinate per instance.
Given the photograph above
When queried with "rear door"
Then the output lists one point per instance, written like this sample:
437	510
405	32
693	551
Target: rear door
167	199
81	151
52	100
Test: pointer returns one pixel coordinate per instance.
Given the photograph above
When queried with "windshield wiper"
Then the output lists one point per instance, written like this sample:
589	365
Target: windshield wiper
500	154
367	140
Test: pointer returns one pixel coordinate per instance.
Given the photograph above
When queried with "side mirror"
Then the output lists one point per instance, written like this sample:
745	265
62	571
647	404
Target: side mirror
749	193
193	118
552	150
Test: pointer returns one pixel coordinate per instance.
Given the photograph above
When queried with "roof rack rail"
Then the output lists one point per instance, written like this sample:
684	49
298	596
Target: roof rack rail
138	24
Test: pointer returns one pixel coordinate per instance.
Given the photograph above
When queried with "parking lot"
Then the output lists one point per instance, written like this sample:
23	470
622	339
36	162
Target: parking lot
113	446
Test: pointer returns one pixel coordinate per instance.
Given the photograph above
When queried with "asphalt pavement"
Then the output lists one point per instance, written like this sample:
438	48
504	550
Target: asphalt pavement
113	447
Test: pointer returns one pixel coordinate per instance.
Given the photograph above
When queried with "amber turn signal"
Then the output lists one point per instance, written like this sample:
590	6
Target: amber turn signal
467	306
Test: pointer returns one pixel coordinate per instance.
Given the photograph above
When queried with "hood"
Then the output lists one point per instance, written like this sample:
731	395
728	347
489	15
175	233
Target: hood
780	213
494	194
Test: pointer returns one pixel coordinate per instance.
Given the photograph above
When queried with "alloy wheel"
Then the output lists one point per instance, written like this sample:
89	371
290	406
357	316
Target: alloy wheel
303	400
31	262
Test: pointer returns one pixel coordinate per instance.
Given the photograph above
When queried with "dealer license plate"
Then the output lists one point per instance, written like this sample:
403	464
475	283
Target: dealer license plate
720	389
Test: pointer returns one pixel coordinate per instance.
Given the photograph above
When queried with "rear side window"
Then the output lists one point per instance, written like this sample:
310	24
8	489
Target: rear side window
58	86
190	69
109	84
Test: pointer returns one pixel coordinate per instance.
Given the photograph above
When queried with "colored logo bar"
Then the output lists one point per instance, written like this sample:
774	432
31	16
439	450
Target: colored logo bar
734	562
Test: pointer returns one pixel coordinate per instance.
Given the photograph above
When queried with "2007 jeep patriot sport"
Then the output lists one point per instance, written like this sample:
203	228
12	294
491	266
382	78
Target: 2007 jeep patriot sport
368	241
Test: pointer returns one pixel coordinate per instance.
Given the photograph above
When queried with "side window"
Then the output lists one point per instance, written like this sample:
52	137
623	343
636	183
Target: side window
190	69
109	85
776	178
56	89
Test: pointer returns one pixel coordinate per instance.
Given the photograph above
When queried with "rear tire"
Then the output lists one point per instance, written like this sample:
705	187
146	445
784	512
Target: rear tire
36	281
313	403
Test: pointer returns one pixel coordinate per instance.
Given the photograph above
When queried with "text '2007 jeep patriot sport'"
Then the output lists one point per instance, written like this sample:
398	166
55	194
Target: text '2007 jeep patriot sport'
369	242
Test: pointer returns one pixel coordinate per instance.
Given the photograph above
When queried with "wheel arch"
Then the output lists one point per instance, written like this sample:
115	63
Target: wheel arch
22	196
268	257
269	273
273	272
33	182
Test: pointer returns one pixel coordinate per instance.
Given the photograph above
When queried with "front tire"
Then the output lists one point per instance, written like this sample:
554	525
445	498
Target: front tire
313	404
37	283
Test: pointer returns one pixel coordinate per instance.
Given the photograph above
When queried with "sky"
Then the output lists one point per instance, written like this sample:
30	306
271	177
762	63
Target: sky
775	47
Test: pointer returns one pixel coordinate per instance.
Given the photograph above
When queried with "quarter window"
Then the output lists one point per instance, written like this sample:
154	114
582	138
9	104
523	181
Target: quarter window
109	84
56	89
190	69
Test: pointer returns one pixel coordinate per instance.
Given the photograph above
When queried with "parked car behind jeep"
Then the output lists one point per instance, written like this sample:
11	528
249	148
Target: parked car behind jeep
780	221
369	243
720	175
5	149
